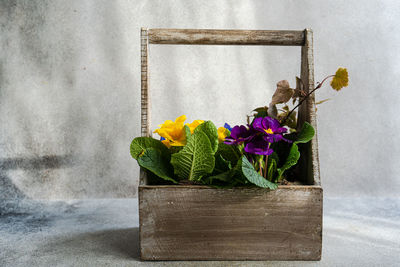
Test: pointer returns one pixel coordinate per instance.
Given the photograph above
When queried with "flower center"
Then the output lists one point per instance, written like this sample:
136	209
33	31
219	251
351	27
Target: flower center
269	131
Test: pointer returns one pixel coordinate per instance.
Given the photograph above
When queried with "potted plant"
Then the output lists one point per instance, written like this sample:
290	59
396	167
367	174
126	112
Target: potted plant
244	192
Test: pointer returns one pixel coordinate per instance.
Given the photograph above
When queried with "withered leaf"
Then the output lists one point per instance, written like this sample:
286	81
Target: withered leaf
272	111
299	91
322	101
291	121
283	93
299	84
285	108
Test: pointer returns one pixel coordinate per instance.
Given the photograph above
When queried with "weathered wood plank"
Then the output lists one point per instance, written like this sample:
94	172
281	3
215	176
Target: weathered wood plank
310	161
202	223
225	37
145	96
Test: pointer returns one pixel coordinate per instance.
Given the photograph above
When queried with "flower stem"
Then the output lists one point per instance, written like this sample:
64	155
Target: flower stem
260	163
305	97
266	164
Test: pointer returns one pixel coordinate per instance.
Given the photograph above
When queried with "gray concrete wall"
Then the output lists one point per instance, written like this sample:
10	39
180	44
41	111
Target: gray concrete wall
70	87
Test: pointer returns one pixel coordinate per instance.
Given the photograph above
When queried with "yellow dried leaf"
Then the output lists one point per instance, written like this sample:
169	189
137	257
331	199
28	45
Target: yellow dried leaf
322	101
340	80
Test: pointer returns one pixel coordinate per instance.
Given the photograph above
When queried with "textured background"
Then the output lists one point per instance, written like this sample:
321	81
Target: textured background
70	88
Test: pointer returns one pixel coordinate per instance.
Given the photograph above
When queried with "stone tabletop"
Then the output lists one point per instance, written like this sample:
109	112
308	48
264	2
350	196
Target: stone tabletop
104	232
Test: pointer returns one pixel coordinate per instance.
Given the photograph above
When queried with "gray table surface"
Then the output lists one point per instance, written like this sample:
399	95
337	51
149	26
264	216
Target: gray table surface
357	232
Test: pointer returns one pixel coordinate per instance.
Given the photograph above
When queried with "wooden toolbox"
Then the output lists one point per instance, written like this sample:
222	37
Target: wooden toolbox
189	222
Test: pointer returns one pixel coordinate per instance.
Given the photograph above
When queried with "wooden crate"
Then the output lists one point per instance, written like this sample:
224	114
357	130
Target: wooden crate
186	222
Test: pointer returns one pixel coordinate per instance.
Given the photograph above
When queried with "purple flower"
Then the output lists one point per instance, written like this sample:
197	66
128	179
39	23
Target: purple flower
270	128
239	135
258	146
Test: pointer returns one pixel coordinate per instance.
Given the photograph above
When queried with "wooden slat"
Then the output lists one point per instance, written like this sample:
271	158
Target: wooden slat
225	37
202	223
310	160
145	95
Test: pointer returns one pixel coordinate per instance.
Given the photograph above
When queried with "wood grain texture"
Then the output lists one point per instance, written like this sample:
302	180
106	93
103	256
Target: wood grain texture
309	162
203	223
225	37
145	96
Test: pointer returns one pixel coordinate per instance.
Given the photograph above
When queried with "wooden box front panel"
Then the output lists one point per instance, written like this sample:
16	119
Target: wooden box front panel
203	223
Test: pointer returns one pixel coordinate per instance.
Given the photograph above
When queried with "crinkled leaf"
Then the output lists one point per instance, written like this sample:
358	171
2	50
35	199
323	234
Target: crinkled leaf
210	130
254	177
196	159
283	93
221	164
140	144
153	161
188	134
229	152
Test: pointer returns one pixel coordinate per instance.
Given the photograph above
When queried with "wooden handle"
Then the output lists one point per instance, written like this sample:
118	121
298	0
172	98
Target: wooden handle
225	37
239	37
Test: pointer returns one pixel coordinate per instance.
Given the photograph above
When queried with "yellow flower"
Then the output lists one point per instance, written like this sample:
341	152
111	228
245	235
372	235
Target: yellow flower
194	124
166	142
223	133
173	132
340	80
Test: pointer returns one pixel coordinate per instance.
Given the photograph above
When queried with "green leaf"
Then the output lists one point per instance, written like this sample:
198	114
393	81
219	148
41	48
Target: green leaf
210	130
261	112
224	176
229	152
196	159
153	161
291	160
188	134
221	164
271	169
175	149
140	144
273	156
306	133
254	177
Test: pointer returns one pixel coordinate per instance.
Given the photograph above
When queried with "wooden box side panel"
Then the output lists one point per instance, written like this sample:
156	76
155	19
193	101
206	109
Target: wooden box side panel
309	161
200	223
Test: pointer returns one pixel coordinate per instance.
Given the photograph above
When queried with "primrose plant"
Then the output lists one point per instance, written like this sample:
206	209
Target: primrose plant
256	154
